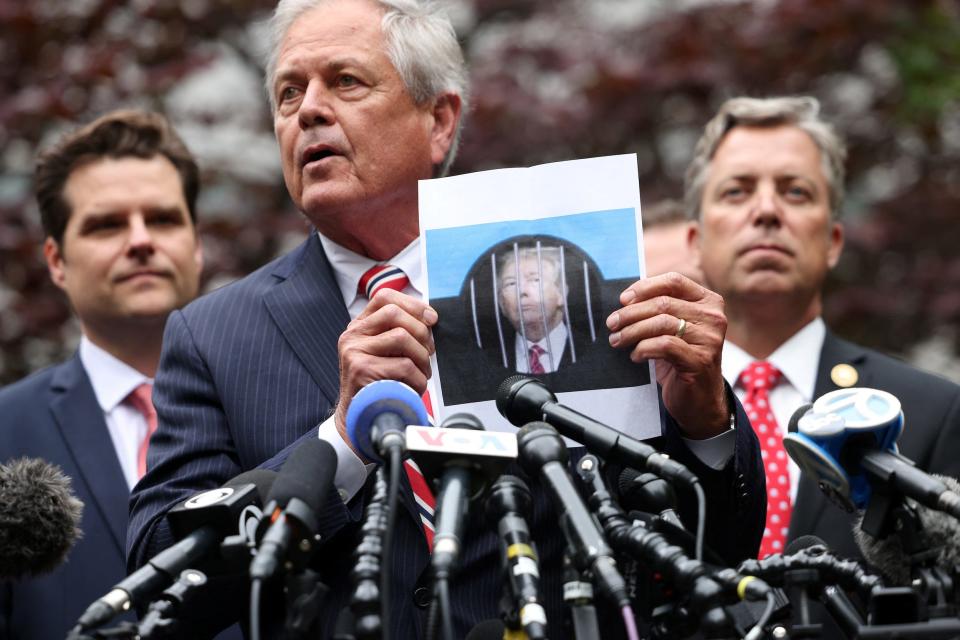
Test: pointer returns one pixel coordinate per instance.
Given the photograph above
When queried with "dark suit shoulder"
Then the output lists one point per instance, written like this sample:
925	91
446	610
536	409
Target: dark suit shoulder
23	402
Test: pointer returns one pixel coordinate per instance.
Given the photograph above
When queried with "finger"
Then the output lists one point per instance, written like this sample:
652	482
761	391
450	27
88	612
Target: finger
370	368
679	353
416	308
659	325
395	343
673	284
393	316
693	312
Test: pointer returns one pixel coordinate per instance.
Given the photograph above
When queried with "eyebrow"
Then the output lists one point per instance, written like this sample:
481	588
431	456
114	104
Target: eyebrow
335	64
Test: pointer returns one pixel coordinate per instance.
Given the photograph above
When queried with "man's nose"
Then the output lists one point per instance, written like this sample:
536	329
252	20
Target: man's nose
766	206
316	107
140	240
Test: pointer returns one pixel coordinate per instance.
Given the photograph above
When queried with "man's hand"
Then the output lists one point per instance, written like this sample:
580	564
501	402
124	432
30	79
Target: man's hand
389	340
688	366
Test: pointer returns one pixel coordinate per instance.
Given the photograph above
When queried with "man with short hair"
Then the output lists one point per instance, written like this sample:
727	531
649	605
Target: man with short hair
765	188
118	204
531	296
665	246
368	98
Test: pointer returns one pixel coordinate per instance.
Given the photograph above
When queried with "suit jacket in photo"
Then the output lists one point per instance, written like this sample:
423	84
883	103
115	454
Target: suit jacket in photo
247	374
54	415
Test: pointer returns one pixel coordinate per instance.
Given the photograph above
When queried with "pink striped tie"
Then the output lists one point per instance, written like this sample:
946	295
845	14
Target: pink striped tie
141	400
385	276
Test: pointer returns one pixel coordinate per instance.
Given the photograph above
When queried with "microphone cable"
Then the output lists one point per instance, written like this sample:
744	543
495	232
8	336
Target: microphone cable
367	602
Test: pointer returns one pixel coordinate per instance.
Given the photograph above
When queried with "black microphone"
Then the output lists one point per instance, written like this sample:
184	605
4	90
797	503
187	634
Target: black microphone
544	454
289	528
507	503
492	629
39	517
939	535
521	399
217	512
649	493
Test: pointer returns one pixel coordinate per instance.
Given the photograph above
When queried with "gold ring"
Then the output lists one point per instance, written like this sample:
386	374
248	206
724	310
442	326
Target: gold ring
681	328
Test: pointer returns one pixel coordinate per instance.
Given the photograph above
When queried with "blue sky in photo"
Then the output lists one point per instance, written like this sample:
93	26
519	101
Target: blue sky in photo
609	237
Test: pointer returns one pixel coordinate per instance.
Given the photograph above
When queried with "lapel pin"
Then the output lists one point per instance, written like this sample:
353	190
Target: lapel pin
844	375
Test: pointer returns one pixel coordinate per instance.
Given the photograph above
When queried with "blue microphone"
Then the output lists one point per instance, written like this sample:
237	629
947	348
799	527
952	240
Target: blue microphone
378	415
847	442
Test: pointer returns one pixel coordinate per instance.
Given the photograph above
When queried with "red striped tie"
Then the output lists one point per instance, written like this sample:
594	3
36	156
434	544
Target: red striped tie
387	276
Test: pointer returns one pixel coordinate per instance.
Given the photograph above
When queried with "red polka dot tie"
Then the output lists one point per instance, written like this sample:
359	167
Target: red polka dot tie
758	379
536	366
385	276
141	400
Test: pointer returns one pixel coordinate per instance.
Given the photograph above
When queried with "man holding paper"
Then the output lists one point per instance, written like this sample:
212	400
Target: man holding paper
367	100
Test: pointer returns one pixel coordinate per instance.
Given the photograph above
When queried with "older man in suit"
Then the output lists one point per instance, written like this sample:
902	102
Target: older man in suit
765	188
117	201
367	99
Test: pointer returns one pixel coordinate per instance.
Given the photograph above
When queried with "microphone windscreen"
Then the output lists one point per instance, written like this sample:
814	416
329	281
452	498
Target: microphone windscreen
307	474
262	479
39	517
941	532
803	542
492	629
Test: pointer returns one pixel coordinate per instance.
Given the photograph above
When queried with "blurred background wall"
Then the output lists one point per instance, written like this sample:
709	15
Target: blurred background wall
552	80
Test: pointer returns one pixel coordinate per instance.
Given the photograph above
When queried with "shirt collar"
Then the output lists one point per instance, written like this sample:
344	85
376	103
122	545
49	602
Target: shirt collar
557	339
111	378
792	358
349	266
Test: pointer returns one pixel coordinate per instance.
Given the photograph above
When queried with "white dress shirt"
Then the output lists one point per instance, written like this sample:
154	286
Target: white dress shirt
553	346
797	359
112	382
348	268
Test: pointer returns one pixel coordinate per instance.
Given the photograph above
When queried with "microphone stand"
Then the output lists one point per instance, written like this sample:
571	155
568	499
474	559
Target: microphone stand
578	594
160	620
366	603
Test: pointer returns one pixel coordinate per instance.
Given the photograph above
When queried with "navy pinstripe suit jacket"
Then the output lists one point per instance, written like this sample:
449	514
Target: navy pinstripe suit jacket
250	370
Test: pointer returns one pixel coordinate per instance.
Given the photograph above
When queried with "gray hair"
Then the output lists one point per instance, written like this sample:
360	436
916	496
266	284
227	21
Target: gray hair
421	44
546	255
801	111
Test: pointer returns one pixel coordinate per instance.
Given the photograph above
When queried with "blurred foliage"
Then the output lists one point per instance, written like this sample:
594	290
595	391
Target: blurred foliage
552	80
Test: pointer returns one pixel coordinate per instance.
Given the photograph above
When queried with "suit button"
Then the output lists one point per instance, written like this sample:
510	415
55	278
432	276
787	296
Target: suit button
422	597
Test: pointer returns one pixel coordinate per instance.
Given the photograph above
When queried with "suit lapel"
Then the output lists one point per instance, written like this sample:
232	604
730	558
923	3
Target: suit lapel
308	308
80	420
810	500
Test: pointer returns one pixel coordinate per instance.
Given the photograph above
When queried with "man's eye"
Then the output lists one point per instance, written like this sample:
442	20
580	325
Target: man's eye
289	93
732	192
799	193
106	224
346	80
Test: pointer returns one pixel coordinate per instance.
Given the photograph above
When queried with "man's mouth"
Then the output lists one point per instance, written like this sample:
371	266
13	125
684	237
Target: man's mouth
317	153
146	273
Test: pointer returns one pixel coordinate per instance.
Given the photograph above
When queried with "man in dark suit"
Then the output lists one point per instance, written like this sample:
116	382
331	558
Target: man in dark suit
765	187
367	100
117	201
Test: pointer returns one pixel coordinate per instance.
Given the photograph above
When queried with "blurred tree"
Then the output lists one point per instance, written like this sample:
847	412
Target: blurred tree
552	80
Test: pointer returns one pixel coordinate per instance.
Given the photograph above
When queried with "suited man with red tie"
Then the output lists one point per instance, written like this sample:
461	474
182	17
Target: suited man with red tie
117	202
765	188
367	99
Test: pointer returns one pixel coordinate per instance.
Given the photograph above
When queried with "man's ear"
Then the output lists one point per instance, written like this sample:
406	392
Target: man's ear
836	244
55	262
693	242
446	117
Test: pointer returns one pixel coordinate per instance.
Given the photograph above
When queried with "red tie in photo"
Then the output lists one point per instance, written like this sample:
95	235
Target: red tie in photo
758	379
141	400
387	276
535	365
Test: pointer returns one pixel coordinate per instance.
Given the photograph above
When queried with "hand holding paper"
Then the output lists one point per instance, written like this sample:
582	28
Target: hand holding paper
681	325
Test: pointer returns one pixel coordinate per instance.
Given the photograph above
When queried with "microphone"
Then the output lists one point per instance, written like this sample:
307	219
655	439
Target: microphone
39	517
509	499
646	492
847	442
938	537
216	514
378	415
289	531
491	629
544	454
464	456
521	399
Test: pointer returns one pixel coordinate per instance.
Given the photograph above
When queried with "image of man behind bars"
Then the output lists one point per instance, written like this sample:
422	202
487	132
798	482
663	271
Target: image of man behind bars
531	304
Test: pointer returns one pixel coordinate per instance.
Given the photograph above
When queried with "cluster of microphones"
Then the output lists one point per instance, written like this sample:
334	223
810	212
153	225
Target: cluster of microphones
626	548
